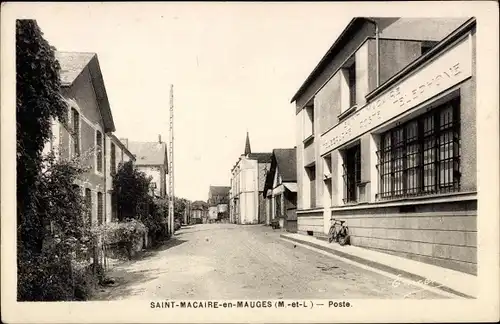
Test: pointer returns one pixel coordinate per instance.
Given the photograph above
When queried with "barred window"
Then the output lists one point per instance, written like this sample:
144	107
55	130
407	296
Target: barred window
99	150
352	173
422	156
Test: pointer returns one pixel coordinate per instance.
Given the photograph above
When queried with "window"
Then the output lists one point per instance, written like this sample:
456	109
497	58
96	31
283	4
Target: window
422	156
277	203
113	159
88	203
99	150
75	120
100	208
308	121
352	173
351	72
327	177
114	207
311	173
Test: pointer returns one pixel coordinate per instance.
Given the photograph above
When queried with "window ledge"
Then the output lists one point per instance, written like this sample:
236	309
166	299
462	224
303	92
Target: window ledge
310	210
347	113
442	198
308	139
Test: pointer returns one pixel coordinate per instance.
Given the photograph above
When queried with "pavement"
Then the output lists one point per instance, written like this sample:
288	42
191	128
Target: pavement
449	281
226	261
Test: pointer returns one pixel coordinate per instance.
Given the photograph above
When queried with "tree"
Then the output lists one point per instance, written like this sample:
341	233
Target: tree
180	205
132	191
38	101
46	202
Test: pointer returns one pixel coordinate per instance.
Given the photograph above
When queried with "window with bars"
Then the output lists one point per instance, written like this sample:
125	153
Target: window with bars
88	203
352	173
75	120
113	158
422	156
99	150
100	208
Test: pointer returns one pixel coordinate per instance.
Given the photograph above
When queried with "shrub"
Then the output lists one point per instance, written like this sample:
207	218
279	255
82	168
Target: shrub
132	191
128	234
156	220
50	232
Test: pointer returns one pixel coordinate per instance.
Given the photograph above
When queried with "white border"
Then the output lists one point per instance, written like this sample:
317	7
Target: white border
485	308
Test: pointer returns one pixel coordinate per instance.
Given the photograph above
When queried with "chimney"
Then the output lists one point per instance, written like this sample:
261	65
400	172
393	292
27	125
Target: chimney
159	138
124	141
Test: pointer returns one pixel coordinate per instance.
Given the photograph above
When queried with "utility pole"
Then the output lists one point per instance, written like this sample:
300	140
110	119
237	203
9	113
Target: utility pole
171	194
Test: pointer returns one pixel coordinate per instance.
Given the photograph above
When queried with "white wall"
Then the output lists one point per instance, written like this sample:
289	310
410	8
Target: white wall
212	212
155	173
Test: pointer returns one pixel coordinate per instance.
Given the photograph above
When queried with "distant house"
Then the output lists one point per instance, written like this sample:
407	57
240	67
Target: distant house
88	133
199	212
246	202
218	201
151	158
280	189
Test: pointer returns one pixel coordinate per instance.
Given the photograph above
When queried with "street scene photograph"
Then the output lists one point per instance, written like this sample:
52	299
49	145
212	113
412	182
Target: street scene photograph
209	152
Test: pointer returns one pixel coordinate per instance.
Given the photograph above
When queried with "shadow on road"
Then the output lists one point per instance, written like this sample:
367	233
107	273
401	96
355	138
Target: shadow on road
126	279
204	230
126	283
173	242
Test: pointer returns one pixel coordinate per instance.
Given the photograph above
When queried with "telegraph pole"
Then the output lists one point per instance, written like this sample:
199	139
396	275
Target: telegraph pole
171	193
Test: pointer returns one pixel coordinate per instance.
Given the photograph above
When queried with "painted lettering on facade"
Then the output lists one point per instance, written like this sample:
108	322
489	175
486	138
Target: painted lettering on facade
449	69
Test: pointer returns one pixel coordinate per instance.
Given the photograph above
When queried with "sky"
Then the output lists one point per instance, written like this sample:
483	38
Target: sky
234	67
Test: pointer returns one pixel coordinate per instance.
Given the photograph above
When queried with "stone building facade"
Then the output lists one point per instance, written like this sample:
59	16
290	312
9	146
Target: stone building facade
248	176
386	139
88	134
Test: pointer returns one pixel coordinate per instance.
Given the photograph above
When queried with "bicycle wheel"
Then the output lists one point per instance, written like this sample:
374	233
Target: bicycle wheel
330	234
344	237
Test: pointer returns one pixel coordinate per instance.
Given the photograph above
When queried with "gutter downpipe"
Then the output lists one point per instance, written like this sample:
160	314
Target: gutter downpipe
377	49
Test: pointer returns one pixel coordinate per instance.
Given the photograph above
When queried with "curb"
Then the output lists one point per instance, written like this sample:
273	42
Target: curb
380	266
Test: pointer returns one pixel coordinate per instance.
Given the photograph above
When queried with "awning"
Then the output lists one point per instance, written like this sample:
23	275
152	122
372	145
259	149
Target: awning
292	186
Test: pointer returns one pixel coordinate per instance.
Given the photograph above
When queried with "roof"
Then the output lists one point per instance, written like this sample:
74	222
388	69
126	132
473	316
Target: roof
284	160
149	153
122	146
248	150
199	204
337	45
72	65
219	190
260	157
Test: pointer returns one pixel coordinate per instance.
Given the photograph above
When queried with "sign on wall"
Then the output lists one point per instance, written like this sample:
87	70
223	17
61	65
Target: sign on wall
447	70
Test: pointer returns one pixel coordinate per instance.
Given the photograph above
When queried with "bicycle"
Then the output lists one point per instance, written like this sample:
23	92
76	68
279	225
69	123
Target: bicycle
338	233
